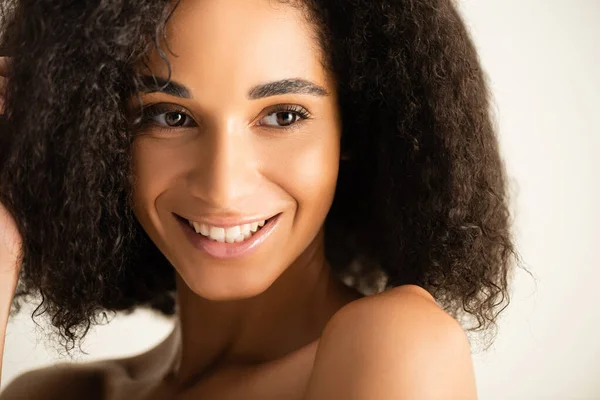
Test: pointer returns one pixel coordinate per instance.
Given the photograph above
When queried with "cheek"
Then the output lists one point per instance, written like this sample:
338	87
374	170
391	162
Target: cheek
307	170
153	168
144	187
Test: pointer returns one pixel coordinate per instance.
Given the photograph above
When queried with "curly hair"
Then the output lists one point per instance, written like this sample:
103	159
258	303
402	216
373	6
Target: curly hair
421	200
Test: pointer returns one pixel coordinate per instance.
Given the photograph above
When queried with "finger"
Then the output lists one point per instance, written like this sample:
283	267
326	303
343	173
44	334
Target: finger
5	66
2	92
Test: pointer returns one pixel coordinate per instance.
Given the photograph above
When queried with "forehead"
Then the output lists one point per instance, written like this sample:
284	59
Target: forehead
219	46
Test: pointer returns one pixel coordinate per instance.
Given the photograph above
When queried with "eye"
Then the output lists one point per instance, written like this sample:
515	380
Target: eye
164	116
285	116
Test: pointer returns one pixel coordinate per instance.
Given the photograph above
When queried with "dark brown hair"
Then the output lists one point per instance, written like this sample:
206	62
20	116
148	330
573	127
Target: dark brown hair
421	200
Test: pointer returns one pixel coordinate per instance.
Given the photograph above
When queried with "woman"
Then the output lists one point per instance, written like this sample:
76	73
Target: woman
325	255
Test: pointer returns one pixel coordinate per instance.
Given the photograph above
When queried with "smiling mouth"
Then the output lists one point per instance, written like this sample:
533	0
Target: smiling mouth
231	234
222	243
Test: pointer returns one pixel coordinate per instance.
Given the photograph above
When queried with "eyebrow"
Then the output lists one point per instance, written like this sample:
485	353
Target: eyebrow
286	86
153	84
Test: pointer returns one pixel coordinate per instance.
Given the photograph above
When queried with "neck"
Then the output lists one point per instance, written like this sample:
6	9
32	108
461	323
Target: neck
289	315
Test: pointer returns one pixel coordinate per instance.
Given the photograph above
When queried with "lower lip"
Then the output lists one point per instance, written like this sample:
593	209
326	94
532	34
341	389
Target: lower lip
224	250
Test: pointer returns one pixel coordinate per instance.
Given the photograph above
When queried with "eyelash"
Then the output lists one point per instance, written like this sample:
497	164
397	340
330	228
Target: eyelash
155	110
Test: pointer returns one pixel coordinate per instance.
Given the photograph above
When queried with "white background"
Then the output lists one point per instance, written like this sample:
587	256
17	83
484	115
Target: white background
542	58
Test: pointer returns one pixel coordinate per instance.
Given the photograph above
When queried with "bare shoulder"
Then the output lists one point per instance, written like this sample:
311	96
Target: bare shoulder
61	381
398	344
404	311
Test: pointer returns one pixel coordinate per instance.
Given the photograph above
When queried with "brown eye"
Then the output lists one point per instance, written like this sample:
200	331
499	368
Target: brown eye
285	116
174	119
165	116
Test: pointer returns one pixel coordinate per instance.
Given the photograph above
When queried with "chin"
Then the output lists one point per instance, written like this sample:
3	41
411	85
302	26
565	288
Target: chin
226	282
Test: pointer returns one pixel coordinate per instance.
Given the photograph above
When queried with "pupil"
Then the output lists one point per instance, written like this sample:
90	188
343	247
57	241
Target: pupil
173	118
289	120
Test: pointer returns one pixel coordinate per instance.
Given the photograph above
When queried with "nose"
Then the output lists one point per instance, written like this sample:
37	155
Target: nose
225	174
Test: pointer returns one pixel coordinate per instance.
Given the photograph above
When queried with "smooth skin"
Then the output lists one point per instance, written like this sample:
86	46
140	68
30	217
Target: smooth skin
274	324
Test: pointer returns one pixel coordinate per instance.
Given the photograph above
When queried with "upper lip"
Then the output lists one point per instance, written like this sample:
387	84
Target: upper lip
225	221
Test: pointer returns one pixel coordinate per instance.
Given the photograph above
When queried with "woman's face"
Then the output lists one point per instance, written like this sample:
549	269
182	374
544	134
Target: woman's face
217	151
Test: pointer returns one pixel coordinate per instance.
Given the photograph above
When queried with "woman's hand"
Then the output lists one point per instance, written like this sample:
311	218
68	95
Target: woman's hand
10	266
10	241
10	247
4	73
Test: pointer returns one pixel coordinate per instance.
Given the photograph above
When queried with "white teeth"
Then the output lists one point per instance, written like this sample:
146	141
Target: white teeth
246	229
217	234
200	228
233	234
204	229
196	226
